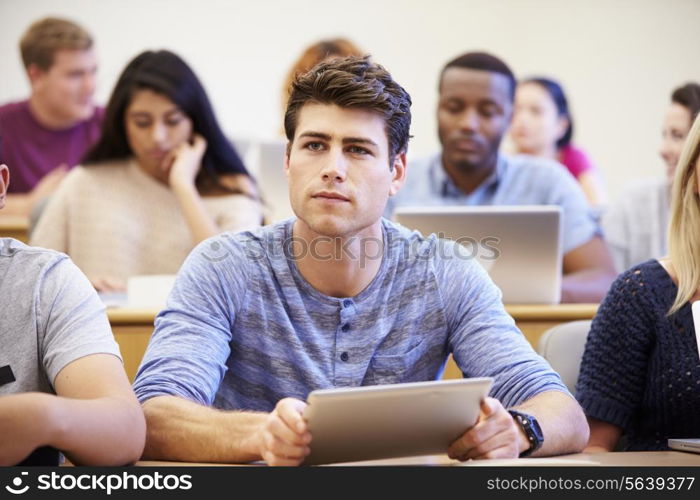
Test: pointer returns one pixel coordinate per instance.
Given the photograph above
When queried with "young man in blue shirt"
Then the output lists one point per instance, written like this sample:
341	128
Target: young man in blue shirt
337	297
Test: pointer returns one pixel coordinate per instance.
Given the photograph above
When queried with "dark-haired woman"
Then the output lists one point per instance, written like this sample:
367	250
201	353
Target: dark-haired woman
543	126
162	178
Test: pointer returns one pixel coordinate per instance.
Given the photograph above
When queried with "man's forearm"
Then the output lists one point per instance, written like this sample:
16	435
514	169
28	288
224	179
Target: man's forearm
587	286
563	423
102	431
185	431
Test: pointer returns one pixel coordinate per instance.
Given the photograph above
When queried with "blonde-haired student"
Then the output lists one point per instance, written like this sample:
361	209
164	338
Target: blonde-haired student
640	373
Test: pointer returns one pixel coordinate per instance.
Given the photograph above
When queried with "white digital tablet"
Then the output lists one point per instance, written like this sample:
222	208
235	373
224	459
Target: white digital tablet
384	421
695	309
690	444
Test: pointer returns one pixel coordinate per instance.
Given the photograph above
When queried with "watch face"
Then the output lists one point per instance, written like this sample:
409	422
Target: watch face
532	430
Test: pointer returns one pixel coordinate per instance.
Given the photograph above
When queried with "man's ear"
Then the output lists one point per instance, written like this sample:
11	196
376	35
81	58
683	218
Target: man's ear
35	74
4	183
398	172
509	111
286	159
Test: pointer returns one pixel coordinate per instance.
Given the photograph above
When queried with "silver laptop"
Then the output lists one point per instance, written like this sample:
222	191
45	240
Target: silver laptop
519	246
397	420
690	444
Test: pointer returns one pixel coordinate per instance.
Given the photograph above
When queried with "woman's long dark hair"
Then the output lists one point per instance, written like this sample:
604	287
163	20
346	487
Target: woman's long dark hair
166	73
556	92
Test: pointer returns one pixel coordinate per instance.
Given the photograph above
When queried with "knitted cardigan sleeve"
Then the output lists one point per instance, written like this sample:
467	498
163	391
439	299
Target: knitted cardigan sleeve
613	372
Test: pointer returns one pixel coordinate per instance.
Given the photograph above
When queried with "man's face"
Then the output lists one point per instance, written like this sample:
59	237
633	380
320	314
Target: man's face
338	169
66	89
4	182
474	112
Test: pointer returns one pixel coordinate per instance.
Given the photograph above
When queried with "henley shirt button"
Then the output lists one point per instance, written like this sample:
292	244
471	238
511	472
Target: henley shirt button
345	327
347	303
344	356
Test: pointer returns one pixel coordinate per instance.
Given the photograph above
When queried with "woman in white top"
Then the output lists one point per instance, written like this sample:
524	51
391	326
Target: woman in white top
635	226
162	178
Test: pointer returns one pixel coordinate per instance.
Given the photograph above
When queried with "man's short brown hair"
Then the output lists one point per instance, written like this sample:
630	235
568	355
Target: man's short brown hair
47	36
357	83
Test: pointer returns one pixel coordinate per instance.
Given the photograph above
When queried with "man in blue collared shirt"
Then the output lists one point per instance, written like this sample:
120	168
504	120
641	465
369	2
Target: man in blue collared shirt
474	111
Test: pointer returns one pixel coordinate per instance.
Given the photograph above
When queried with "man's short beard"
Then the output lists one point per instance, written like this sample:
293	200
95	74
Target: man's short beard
468	167
465	166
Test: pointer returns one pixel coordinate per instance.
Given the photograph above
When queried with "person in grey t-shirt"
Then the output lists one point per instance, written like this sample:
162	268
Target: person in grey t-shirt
474	111
62	383
338	297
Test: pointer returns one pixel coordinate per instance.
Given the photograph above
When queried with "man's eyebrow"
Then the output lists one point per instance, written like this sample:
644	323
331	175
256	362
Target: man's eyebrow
359	140
346	140
488	101
317	135
480	101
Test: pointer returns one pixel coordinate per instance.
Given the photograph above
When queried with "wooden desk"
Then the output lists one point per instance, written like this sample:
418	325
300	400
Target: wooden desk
14	226
630	459
133	328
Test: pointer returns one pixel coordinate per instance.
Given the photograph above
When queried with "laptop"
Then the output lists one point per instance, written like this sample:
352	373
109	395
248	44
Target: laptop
395	420
690	444
519	246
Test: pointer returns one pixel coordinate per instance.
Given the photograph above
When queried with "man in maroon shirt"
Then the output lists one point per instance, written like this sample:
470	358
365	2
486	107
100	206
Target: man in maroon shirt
45	135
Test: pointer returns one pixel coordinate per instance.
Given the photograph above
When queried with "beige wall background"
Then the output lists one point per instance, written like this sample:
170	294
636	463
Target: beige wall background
618	59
